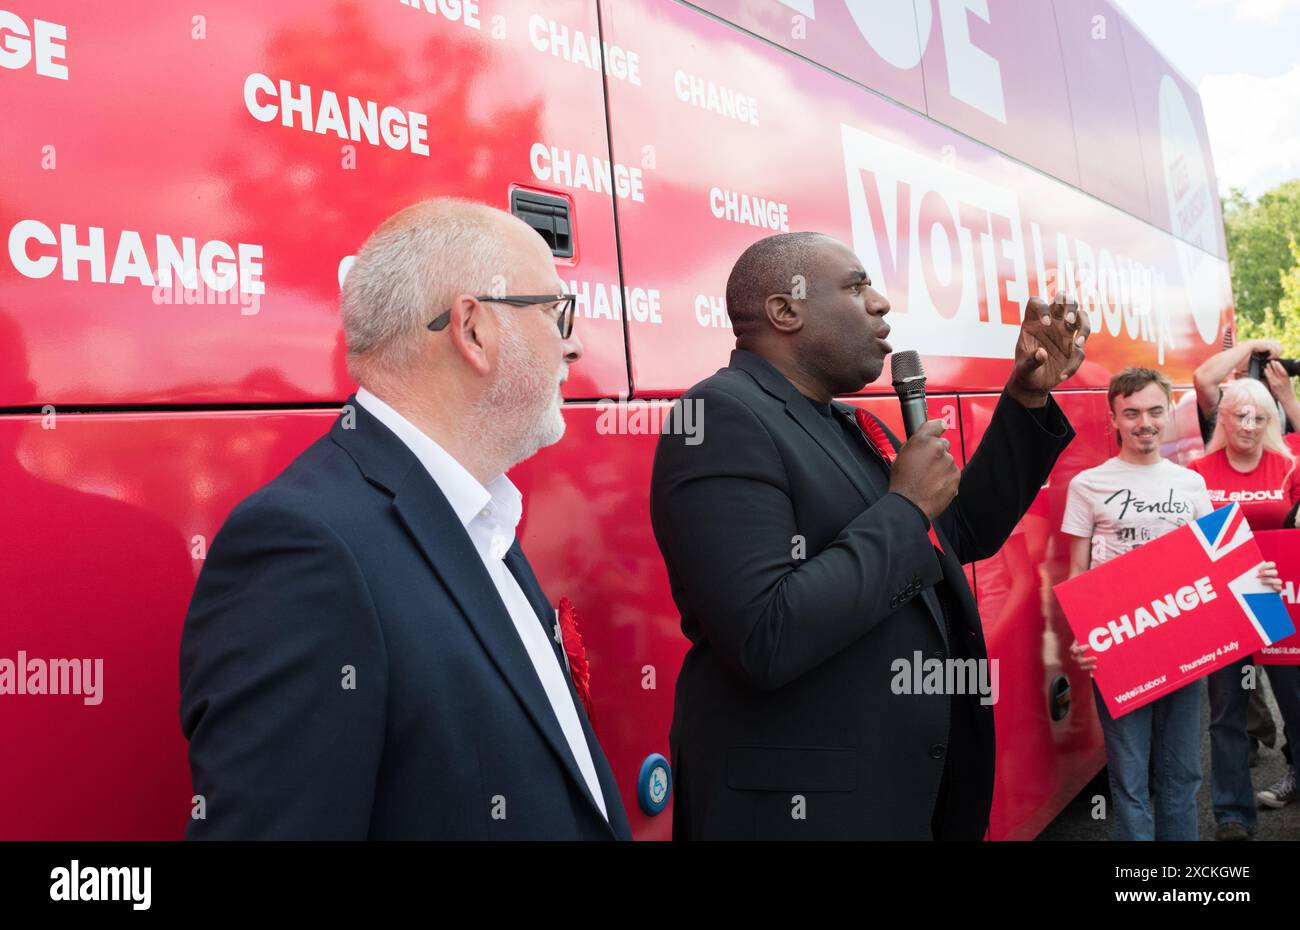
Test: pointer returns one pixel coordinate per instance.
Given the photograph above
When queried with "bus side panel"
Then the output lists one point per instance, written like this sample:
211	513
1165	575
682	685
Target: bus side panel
1001	79
1175	147
1014	75
1101	102
230	134
113	515
875	44
105	521
1042	762
955	234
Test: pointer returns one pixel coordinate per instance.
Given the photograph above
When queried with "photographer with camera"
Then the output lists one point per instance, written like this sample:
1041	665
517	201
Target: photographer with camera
1277	374
1260	359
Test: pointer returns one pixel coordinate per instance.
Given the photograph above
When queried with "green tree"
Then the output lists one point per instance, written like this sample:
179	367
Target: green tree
1282	324
1259	235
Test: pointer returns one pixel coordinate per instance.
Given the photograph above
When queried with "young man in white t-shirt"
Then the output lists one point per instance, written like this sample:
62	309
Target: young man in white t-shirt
1126	501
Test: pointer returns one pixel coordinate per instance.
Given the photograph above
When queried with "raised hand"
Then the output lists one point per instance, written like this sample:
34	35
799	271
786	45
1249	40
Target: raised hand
1049	350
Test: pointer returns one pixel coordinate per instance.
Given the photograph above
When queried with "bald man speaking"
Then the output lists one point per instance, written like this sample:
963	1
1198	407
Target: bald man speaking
806	561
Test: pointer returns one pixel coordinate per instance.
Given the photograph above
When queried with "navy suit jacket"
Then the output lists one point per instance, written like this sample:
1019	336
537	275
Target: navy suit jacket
349	671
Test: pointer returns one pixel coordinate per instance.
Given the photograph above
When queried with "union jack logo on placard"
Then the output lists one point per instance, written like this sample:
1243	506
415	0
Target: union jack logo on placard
1264	607
1222	531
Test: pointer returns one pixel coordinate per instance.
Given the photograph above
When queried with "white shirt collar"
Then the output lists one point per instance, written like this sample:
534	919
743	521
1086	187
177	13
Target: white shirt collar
499	505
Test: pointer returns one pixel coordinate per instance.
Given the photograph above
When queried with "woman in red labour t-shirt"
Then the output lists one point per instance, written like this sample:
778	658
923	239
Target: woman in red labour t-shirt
1246	459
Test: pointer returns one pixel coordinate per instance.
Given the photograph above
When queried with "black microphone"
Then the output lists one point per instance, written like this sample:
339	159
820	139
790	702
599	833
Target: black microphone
909	383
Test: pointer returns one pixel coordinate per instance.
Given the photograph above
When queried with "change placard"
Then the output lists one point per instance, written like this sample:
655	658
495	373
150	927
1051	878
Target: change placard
1283	547
1174	609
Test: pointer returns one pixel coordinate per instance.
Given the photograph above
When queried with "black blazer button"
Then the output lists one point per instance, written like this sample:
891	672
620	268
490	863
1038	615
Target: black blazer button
937	751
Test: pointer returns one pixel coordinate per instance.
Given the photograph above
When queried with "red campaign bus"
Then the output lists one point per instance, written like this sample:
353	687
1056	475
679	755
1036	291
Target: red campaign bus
181	192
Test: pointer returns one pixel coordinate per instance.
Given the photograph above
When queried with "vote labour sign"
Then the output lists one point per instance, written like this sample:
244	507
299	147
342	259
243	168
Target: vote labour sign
1174	609
1283	547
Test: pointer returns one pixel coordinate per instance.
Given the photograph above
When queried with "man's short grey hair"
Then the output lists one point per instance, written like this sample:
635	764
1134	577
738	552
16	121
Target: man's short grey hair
409	271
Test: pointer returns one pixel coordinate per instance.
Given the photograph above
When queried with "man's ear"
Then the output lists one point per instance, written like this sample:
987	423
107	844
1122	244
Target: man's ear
473	332
783	314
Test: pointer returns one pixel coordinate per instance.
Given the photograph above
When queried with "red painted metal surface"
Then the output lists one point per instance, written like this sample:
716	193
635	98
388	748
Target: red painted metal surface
1042	763
1175	147
956	234
587	534
1101	104
997	75
104	520
161	127
867	42
153	133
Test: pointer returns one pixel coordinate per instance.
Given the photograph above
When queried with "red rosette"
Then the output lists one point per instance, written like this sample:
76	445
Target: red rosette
579	669
875	434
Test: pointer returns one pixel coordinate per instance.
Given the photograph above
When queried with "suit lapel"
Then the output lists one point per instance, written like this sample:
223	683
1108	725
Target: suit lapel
523	572
800	410
428	517
822	432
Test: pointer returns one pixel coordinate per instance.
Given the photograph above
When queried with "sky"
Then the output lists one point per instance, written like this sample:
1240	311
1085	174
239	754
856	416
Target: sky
1244	58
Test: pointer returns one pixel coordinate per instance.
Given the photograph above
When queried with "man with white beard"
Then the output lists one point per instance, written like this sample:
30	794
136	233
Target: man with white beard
367	654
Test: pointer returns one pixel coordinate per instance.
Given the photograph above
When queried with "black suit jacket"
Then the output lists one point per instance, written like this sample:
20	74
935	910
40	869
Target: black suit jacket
786	689
352	558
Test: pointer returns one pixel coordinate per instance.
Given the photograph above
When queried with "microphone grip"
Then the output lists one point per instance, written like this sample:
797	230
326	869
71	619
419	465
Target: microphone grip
914	413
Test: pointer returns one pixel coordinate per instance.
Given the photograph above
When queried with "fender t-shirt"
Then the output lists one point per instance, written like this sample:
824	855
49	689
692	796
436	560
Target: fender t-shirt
1266	493
1120	505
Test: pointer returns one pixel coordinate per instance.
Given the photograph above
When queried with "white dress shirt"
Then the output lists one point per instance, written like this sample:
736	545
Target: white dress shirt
490	516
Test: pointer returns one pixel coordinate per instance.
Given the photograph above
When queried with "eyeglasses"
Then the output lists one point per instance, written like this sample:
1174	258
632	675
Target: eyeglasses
564	321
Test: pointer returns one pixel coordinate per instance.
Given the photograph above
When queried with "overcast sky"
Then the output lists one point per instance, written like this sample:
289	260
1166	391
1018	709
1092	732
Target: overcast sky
1244	57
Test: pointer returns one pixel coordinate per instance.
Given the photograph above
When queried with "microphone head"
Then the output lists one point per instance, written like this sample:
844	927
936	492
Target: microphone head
905	369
